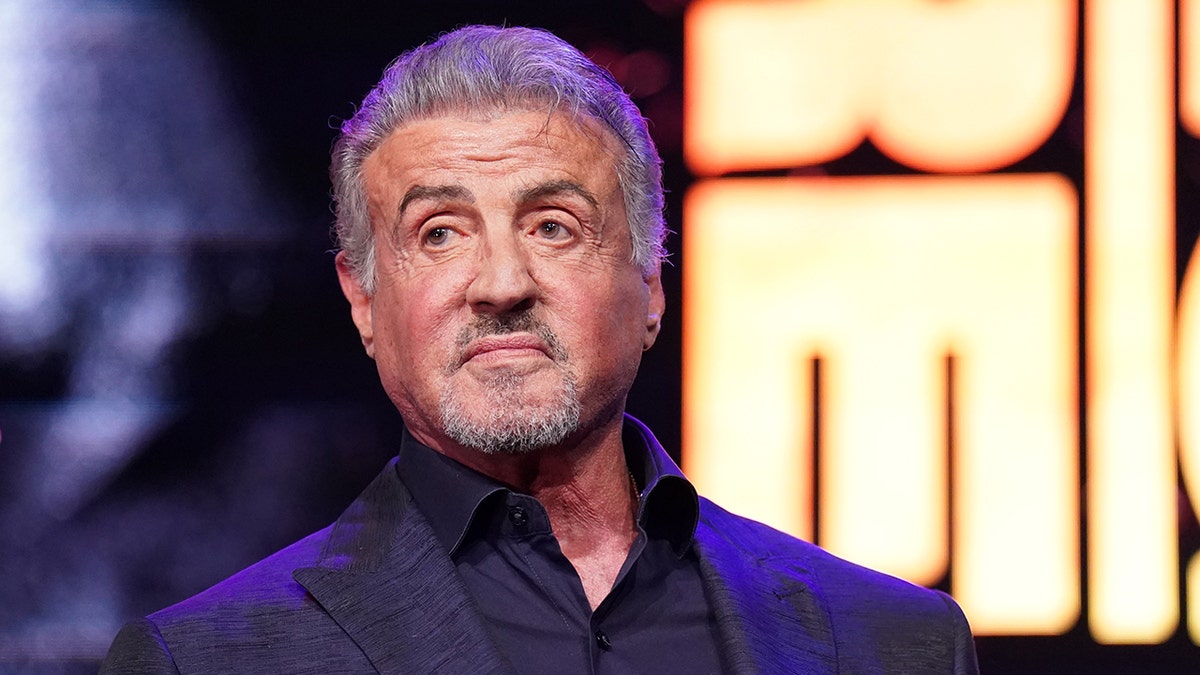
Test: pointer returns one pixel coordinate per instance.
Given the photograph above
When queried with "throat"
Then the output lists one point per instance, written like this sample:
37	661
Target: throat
598	570
595	535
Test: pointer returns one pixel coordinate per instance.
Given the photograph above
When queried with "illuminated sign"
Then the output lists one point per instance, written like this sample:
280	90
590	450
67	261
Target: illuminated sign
890	364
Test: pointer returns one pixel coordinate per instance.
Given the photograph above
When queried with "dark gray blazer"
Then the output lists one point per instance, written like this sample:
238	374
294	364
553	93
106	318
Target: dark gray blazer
376	592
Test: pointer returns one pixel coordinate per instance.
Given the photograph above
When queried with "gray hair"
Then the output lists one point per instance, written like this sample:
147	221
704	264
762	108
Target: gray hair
483	68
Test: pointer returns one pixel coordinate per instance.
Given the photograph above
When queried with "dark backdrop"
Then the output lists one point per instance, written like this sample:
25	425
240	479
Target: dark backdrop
245	412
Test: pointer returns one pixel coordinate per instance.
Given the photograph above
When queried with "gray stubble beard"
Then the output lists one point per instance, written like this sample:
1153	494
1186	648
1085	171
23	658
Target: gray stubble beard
509	425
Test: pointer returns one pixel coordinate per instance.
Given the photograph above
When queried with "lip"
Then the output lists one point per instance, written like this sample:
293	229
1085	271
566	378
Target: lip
512	342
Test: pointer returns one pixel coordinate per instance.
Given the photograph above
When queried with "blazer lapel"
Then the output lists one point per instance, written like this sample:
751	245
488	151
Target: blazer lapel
387	582
769	615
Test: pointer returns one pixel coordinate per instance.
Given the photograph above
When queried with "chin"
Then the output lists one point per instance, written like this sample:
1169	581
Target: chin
503	432
509	416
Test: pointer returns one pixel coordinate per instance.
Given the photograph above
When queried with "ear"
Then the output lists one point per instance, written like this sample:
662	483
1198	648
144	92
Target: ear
658	304
360	303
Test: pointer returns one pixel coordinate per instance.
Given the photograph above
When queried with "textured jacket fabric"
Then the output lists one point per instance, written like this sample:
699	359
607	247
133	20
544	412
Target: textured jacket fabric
376	593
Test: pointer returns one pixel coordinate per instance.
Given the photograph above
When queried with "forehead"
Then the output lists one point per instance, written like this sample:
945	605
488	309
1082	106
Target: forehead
508	146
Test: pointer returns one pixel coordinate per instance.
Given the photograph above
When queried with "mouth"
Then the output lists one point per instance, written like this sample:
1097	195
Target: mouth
503	347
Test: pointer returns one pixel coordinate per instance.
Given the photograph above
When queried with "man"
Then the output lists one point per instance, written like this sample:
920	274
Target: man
499	209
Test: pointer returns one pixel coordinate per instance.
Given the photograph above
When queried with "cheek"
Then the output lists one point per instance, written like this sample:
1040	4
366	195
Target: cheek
415	327
608	321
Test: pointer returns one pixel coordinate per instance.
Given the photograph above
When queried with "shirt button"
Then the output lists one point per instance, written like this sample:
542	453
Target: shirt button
517	516
603	641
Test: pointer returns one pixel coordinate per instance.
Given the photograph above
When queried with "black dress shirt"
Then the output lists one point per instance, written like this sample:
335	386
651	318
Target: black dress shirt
656	618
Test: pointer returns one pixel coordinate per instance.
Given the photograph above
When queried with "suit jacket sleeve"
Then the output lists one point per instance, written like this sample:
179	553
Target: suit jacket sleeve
138	649
965	662
790	607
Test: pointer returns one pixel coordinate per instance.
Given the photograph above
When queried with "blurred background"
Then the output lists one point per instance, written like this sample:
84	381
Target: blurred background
181	389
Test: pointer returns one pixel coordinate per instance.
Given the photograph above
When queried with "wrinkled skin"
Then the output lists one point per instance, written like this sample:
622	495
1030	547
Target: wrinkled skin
477	217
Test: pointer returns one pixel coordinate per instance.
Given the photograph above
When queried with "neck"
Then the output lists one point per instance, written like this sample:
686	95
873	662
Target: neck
592	504
588	494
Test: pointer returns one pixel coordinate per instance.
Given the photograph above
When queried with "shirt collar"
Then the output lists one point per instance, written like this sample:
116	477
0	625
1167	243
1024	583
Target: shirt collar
447	493
450	495
668	506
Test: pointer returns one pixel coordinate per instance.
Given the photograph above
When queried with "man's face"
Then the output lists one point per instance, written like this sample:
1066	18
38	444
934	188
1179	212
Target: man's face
507	314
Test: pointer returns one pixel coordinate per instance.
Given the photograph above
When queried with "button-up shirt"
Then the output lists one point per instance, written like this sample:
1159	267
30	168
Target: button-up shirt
655	619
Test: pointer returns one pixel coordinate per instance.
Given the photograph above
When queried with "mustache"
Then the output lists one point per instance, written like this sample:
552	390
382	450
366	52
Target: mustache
483	325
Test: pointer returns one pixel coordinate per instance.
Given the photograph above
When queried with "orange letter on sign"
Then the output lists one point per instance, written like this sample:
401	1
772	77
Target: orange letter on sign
882	277
1132	536
970	85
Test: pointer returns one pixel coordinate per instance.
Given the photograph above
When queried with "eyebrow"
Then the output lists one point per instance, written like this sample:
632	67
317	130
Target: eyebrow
418	193
557	187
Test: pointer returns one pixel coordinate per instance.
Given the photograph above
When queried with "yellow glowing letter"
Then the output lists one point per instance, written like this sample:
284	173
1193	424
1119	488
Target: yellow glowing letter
970	85
1189	65
1132	535
881	278
1188	355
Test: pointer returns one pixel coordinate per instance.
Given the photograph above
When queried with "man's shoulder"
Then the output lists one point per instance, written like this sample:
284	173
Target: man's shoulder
260	618
360	535
850	594
267	585
770	547
873	622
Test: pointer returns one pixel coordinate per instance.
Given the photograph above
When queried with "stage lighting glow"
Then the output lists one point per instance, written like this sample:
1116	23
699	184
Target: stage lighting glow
882	278
939	86
1129	168
121	166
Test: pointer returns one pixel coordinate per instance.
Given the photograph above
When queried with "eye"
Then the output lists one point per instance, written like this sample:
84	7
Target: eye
437	236
549	229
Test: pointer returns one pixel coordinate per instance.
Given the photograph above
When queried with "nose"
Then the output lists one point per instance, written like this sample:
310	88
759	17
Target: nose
503	282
